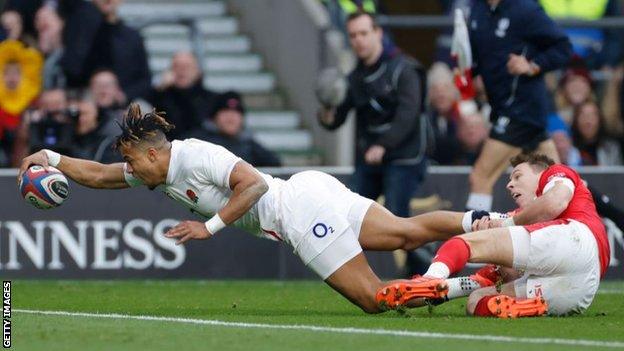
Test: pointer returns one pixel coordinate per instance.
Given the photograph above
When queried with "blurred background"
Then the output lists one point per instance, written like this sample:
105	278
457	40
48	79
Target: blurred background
244	74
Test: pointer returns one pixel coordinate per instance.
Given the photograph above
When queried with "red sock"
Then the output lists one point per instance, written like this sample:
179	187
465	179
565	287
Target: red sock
454	254
482	309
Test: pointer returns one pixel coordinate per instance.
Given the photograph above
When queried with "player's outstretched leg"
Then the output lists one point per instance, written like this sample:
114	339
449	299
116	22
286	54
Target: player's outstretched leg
399	293
488	246
436	291
489	275
357	282
383	231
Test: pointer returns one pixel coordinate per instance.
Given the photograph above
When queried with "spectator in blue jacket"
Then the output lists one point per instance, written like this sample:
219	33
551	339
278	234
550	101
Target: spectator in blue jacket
513	43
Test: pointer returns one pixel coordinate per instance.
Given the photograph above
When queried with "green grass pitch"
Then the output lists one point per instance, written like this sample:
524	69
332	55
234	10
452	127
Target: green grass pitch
260	303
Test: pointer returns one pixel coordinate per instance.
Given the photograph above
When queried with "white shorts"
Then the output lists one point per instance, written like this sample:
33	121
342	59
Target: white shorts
321	218
560	262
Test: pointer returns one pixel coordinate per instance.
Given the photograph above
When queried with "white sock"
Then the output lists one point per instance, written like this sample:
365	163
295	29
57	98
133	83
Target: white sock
479	202
461	286
438	270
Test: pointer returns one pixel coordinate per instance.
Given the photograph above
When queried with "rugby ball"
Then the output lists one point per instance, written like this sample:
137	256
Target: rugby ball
43	188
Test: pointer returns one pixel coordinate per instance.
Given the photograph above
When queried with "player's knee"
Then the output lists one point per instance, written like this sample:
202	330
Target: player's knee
479	247
470	241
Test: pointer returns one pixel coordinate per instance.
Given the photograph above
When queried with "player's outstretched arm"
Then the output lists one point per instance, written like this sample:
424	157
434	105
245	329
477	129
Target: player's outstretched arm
88	173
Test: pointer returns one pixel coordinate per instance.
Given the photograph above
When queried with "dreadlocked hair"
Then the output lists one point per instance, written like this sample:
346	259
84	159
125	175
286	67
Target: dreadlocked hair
137	127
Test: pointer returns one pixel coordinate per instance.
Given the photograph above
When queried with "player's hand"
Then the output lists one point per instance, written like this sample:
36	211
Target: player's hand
188	230
518	65
38	158
374	155
481	224
496	223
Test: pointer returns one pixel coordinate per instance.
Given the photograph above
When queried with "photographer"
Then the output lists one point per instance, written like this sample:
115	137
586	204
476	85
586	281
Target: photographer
95	134
52	125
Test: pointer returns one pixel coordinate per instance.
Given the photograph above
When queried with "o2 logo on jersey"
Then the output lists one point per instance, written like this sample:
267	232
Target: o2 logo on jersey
320	230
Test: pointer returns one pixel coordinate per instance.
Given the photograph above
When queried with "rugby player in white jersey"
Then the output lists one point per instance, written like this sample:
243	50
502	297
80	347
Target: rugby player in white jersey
325	223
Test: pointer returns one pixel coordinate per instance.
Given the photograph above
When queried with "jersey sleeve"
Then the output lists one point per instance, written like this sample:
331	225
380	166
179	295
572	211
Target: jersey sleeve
130	179
217	165
563	180
559	173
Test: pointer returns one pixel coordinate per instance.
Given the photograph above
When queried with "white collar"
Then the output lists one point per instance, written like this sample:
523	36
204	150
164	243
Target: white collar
171	171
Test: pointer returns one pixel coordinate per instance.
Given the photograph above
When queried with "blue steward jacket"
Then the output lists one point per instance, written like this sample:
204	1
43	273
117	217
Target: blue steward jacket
518	27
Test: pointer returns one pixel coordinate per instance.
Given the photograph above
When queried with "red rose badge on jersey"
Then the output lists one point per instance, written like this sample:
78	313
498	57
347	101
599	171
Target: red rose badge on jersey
191	195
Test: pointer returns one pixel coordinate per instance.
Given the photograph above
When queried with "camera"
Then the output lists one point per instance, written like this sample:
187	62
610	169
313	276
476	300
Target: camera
54	130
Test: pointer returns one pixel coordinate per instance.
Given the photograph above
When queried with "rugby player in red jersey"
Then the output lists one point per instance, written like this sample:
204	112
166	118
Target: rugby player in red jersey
556	239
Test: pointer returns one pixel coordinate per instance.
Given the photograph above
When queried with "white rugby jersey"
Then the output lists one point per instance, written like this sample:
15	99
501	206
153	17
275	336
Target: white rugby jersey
198	177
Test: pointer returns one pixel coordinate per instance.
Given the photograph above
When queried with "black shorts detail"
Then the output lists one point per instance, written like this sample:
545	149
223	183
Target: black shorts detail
519	134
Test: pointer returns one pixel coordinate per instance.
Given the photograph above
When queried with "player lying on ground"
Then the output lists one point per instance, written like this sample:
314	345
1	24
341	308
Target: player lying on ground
325	223
556	238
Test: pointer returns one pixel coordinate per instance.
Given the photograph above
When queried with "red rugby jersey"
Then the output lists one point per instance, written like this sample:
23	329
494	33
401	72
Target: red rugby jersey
581	209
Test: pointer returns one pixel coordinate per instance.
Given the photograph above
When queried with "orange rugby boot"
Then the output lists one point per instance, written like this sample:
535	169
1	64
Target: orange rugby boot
503	306
397	294
488	275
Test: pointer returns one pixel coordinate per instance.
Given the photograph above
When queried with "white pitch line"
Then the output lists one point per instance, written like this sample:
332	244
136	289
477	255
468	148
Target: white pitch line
384	332
610	292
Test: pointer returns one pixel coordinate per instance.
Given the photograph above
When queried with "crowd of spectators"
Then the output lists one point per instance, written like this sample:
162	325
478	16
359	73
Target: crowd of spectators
71	67
586	121
69	70
585	110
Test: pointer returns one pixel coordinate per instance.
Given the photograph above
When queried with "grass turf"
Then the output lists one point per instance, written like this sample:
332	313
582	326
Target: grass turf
307	303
